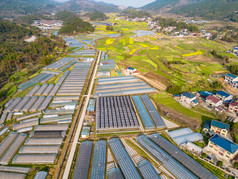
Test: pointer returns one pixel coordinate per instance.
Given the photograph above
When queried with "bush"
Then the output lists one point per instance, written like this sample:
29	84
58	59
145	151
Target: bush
236	164
174	89
219	163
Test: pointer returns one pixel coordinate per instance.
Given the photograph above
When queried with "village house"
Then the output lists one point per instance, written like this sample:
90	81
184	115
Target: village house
213	101
220	128
222	95
231	79
233	106
235	49
189	98
217	127
222	147
132	70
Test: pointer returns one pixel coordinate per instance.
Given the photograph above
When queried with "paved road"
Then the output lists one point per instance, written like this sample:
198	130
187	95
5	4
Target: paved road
78	131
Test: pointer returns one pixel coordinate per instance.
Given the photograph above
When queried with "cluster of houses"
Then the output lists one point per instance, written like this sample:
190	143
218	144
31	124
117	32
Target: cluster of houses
219	101
48	24
220	143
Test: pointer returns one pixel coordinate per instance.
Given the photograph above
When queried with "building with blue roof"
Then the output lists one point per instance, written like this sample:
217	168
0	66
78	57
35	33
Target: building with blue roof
205	94
231	80
223	95
223	147
230	76
189	98
216	127
91	105
220	127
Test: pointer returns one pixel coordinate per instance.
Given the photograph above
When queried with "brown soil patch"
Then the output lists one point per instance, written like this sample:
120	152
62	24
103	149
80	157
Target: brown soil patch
154	82
185	121
199	58
220	72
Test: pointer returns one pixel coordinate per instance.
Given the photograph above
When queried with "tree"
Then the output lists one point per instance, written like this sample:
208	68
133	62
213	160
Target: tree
109	27
219	163
236	164
204	155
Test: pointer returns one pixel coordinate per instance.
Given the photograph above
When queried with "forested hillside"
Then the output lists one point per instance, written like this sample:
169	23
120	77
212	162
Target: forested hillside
132	13
12	8
76	25
16	53
64	15
88	5
158	4
96	16
211	9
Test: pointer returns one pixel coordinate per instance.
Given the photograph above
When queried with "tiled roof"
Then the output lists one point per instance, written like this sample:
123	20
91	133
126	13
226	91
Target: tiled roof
204	93
223	93
188	95
234	103
220	125
130	68
213	99
231	75
224	143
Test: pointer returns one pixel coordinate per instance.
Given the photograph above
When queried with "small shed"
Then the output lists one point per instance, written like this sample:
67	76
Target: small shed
85	132
91	105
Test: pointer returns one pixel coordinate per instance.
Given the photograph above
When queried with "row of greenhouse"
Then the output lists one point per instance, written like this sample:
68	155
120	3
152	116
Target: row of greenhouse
60	63
75	81
122	164
41	78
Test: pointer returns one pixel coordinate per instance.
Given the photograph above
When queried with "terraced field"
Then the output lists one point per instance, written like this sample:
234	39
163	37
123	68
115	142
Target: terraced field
179	61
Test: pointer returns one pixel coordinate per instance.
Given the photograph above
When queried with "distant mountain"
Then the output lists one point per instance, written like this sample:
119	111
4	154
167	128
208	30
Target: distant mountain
13	8
159	4
207	9
88	5
210	9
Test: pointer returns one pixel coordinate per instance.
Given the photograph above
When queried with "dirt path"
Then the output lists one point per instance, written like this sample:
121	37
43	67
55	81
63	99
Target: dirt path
154	84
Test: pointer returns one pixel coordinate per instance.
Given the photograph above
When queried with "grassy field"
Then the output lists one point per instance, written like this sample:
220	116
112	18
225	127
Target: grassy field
168	101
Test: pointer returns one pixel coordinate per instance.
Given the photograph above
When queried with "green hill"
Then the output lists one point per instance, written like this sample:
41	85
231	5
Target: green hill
96	16
132	13
12	8
64	15
88	5
158	4
76	25
210	9
207	9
